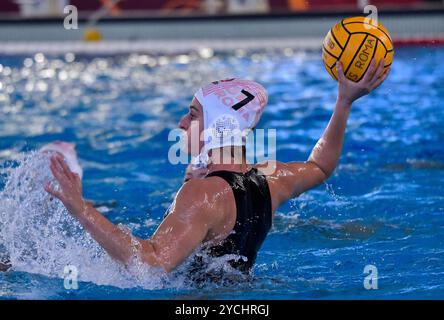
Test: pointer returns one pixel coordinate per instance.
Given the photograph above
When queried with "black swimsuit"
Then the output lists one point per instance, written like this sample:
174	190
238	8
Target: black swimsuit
253	217
253	221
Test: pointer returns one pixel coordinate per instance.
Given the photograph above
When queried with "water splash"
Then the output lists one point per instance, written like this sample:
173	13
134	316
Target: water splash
38	235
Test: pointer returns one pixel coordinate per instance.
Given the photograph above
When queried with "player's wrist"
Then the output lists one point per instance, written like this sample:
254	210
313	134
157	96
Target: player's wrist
343	102
77	207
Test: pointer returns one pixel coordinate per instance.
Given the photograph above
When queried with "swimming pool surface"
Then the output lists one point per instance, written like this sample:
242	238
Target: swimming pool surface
384	205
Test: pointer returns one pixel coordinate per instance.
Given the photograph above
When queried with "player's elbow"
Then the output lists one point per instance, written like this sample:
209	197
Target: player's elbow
326	173
323	172
153	257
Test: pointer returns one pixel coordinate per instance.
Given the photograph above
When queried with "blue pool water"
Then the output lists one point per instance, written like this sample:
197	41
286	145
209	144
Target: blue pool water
384	205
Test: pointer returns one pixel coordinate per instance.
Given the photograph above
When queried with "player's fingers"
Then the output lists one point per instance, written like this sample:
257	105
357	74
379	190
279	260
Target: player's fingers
370	71
340	72
60	175
48	188
56	170
77	178
379	71
66	170
381	79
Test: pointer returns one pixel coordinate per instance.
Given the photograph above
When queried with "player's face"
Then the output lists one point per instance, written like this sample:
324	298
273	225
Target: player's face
192	124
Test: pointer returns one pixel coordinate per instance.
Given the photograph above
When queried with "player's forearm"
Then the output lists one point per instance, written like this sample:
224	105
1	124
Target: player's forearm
118	243
327	150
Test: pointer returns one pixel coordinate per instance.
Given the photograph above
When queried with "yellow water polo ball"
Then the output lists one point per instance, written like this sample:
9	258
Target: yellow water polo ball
355	41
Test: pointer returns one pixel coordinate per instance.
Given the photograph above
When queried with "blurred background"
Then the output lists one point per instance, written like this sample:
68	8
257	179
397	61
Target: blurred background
130	8
185	24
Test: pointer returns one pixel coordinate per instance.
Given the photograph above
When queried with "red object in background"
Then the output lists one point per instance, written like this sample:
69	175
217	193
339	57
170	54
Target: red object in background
398	3
334	4
83	5
90	5
303	5
111	6
279	4
419	42
8	6
348	4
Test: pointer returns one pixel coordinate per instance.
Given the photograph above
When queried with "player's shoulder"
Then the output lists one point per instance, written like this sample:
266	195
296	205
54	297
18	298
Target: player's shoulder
209	189
210	199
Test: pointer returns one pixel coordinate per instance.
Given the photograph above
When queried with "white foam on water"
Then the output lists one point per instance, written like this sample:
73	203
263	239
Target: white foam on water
40	236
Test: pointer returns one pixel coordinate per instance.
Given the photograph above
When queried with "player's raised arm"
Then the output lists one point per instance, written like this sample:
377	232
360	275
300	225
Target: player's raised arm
327	150
183	230
296	177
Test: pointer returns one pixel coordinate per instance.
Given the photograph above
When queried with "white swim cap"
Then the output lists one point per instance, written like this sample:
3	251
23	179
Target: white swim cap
231	109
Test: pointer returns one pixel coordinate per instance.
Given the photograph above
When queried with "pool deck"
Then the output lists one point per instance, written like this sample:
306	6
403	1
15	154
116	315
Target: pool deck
182	33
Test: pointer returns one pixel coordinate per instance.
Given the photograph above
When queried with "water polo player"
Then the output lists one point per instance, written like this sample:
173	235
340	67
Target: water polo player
226	208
